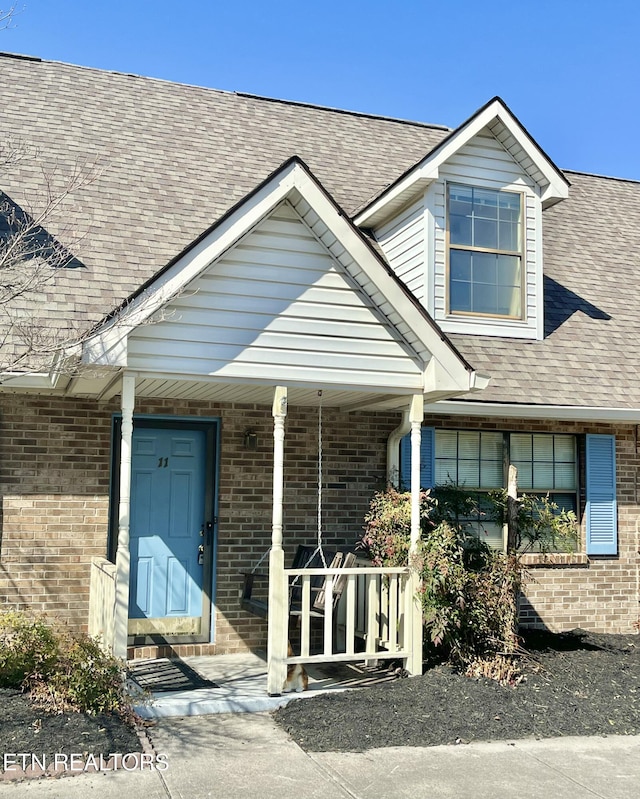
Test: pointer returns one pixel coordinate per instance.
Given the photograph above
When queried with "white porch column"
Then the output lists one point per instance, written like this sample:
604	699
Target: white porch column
416	417
278	619
122	552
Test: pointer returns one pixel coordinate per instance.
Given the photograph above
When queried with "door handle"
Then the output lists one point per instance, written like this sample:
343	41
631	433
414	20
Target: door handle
201	555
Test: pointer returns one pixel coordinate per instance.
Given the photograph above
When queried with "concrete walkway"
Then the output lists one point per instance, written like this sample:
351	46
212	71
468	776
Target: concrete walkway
242	756
242	686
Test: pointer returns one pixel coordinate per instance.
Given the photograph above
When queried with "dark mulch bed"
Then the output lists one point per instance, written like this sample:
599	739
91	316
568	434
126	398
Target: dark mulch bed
28	729
575	684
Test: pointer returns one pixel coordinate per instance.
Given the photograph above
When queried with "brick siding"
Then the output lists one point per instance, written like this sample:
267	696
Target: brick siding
55	477
602	593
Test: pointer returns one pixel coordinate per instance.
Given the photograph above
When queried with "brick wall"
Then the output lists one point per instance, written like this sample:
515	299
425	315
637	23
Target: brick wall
54	483
601	594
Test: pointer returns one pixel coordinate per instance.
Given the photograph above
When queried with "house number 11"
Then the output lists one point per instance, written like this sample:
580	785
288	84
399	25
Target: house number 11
166	463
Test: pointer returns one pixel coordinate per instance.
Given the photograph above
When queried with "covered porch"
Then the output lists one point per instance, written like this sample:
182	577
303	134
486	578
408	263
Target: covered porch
283	304
377	617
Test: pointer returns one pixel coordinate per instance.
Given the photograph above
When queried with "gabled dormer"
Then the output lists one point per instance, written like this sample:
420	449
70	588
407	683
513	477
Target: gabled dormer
463	227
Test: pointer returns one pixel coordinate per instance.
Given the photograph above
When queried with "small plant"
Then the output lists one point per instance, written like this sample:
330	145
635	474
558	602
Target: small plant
27	646
83	678
62	670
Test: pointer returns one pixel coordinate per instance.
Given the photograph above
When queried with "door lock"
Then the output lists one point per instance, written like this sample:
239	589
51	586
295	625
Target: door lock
201	555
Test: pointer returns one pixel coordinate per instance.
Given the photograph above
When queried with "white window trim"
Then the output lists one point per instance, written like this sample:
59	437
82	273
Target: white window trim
519	253
531	326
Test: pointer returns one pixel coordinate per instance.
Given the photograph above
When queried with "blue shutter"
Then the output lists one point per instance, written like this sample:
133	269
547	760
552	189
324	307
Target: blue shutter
427	459
602	527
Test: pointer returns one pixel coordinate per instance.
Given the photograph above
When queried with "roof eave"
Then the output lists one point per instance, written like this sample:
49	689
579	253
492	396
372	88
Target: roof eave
415	181
515	410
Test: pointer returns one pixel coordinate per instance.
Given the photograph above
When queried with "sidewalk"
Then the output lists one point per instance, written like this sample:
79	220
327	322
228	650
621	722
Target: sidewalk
237	756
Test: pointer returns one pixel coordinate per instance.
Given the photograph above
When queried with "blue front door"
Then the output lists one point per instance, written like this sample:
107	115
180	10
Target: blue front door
167	516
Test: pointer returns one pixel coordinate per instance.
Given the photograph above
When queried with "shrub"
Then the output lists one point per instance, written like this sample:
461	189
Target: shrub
540	524
388	526
62	670
83	678
470	604
469	593
27	646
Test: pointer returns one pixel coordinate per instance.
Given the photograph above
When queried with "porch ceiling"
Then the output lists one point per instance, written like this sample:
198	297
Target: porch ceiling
256	394
106	385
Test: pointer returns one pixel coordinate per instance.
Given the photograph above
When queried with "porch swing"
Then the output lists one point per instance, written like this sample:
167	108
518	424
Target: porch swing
306	557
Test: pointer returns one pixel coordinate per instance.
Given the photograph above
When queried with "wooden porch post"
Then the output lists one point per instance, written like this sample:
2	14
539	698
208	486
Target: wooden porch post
278	619
122	552
416	416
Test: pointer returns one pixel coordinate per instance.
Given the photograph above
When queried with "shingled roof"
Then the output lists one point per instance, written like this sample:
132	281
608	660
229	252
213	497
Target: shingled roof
175	158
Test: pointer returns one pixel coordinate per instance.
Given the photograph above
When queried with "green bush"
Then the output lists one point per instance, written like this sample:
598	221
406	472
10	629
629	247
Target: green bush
28	646
470	604
469	592
62	670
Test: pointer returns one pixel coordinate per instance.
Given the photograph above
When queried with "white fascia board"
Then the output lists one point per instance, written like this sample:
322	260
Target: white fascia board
412	184
36	381
393	292
552	412
109	345
428	168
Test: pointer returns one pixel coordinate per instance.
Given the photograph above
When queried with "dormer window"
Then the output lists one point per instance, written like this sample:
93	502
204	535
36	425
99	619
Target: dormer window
485	252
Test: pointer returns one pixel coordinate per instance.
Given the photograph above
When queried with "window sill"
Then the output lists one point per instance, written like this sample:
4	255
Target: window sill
554	559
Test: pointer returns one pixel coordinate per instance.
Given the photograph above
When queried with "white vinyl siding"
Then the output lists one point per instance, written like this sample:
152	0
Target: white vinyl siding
278	306
403	242
484	163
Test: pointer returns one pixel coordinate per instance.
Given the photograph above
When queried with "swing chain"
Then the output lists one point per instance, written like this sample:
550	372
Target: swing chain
318	548
259	563
324	562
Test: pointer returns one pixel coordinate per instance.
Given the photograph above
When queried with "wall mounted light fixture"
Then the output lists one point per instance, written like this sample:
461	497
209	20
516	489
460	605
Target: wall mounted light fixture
250	439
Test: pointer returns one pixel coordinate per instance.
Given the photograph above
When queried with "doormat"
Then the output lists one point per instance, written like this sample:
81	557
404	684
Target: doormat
168	675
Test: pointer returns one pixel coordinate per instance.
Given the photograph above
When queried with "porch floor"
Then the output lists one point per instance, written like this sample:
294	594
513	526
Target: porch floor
242	686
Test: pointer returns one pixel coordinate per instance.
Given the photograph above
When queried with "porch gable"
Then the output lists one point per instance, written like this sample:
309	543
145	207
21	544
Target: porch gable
284	289
277	306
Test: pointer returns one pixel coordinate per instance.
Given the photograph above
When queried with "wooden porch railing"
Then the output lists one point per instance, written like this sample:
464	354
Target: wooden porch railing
371	620
102	602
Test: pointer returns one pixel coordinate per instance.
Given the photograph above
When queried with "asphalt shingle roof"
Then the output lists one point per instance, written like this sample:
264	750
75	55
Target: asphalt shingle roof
175	158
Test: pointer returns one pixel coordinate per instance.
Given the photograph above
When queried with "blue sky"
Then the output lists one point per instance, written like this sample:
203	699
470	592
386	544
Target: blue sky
569	69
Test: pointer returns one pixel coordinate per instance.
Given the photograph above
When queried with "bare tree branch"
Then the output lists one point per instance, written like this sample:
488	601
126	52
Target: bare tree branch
39	239
7	16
